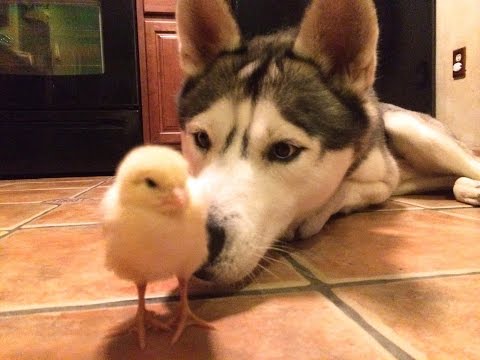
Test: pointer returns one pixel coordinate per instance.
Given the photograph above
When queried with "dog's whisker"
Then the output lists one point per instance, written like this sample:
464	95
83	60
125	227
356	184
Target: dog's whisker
266	269
272	260
280	250
277	246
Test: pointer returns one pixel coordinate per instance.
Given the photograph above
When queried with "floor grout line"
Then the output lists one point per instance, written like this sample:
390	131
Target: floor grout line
367	282
426	207
56	206
52	226
26	221
91	188
327	291
46	189
317	285
461	216
154	300
18	227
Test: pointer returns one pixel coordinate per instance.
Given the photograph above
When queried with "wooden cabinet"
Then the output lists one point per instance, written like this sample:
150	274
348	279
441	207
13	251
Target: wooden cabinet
163	80
160	71
159	6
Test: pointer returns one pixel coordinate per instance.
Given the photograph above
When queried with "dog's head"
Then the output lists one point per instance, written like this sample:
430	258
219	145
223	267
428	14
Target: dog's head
271	126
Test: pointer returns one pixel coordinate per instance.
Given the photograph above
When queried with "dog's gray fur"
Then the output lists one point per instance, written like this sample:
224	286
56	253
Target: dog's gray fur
240	99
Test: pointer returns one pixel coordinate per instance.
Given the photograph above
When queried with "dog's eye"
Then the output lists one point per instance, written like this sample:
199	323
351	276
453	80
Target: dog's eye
202	140
150	183
283	152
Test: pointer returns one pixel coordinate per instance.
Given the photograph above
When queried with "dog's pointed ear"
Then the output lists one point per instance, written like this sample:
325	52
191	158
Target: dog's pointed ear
341	37
205	29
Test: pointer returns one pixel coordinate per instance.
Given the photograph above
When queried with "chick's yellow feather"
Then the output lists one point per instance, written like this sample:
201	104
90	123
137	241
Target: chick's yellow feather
148	237
155	227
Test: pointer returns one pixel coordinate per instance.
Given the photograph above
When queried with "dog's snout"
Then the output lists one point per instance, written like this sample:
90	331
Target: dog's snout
216	238
216	242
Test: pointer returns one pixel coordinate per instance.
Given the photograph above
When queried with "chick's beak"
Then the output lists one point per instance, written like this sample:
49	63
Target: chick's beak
179	197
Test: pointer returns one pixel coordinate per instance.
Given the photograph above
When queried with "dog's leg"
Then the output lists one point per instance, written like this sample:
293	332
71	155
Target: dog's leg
425	144
435	159
415	182
467	190
315	222
371	183
351	196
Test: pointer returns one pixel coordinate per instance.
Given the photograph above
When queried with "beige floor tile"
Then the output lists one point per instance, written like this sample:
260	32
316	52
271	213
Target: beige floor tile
438	318
109	182
56	266
35	196
44	267
391	245
470	213
80	212
13	215
391	205
95	193
300	326
53	184
431	201
75	178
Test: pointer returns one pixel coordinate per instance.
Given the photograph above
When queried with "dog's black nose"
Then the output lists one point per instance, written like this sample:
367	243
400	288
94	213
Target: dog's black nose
216	238
216	241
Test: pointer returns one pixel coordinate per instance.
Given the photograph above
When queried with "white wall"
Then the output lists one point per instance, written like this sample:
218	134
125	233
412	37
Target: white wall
458	101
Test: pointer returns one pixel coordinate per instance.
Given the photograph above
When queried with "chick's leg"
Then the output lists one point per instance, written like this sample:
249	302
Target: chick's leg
185	313
145	317
140	318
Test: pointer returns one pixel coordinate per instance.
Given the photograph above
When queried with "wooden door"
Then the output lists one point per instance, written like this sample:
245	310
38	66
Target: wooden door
163	80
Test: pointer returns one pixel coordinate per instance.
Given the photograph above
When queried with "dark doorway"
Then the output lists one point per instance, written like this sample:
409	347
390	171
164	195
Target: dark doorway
405	75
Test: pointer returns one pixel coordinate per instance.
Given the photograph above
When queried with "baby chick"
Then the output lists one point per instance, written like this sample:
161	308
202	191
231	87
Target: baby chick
154	224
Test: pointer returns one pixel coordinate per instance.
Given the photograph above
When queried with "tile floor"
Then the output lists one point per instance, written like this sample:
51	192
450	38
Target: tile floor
398	281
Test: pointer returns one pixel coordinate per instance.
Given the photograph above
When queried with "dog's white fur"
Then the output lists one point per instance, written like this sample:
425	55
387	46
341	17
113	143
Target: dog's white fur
259	203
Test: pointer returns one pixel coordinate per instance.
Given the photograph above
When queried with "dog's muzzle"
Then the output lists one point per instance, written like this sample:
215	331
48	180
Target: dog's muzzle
216	242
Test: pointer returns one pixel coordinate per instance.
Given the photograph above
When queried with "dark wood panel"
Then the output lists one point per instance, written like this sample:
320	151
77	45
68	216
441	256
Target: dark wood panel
164	78
142	60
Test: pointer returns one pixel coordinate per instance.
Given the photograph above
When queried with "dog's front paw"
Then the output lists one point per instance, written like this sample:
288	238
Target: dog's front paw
312	225
467	190
303	230
291	234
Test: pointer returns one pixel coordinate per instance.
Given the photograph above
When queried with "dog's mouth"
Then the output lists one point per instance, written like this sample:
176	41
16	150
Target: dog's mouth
205	275
236	254
220	273
207	272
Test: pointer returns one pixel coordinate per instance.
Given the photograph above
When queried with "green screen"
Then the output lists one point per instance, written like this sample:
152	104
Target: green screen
51	38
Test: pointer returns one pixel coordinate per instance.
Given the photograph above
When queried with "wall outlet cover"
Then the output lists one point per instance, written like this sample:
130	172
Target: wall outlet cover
459	63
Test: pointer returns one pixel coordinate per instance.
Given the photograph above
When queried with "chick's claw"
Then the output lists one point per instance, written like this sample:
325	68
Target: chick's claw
151	322
186	317
145	318
147	321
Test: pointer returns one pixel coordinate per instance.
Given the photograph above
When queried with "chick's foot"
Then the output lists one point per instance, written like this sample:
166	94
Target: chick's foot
186	317
145	319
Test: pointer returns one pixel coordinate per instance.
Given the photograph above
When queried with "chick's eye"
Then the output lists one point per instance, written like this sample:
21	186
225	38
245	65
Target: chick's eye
202	140
283	152
150	183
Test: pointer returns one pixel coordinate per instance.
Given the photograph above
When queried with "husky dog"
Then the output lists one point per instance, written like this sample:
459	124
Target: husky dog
286	130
